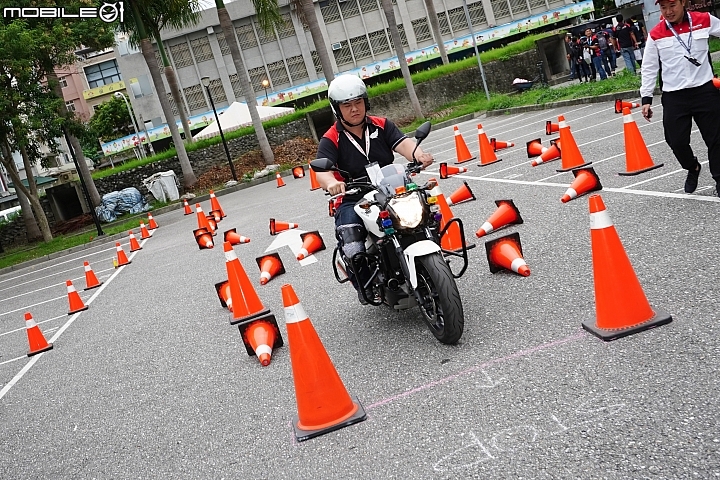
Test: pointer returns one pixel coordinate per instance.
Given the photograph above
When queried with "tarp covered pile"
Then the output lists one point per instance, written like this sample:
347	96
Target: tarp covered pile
128	200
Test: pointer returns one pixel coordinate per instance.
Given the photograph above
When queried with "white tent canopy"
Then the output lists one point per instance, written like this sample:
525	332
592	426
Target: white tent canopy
237	116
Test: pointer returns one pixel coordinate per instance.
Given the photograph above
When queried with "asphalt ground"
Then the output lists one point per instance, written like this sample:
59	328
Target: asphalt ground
152	381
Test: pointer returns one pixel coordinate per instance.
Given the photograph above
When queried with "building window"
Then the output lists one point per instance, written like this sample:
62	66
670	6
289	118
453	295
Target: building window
173	105
519	7
246	37
458	20
278	74
379	42
444	24
194	97
201	49
500	9
539	4
63	82
237	89
421	29
257	75
360	47
330	12
343	55
222	42
70	105
286	29
316	62
403	38
349	8
477	13
217	91
263	36
181	55
102	74
296	65
368	5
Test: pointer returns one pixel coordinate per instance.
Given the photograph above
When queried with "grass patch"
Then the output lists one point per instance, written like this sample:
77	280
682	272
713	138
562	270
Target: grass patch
714	44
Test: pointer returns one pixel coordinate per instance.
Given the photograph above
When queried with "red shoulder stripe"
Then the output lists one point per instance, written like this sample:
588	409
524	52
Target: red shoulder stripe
378	121
333	135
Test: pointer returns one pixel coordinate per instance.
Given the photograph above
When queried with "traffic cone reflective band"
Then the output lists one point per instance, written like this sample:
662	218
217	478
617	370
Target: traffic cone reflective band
76	303
233	237
505	253
91	280
203	238
261	336
270	266
637	156
152	224
122	258
224	294
279	179
323	402
461	150
487	153
202	220
277	226
535	148
586	181
246	303
216	215
448	170
36	339
314	185
462	194
551	128
144	231
551	153
188	210
452	240
134	244
215	205
499	145
312	242
620	105
621	307
506	214
571	156
298	172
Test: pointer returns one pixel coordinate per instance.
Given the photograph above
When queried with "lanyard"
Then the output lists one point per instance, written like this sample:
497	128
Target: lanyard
365	152
689	44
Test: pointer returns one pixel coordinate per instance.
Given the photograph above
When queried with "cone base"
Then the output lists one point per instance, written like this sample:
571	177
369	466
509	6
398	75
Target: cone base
642	170
78	310
458	162
301	435
660	318
49	347
135	249
316	188
573	168
489	163
94	286
188	213
235	321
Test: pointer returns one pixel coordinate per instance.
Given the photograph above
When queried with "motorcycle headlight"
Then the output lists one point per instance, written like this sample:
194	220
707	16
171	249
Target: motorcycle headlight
407	211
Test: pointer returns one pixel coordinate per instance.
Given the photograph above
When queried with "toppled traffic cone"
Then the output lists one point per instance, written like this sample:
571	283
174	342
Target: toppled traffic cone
551	128
621	307
246	303
202	220
279	179
278	226
506	214
134	244
212	224
122	258
505	253
298	172
36	339
637	156
534	148
203	238
452	240
487	153
215	205
186	205
462	194
233	237
448	170
76	303
261	336
586	181
312	242
224	294
216	215
571	157
620	105
323	402
152	224
314	185
461	150
144	231
91	280
553	152
270	266
499	145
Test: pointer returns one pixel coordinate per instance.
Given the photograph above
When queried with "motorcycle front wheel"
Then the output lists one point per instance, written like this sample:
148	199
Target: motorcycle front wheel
441	306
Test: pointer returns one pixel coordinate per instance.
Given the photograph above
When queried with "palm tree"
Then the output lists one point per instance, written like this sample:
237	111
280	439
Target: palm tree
169	72
306	12
435	26
387	7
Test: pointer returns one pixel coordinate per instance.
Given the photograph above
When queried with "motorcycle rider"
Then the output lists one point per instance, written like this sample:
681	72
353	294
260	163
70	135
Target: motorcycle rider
354	141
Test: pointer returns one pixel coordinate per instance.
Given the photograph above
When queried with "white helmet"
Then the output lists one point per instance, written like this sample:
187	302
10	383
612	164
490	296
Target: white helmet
345	88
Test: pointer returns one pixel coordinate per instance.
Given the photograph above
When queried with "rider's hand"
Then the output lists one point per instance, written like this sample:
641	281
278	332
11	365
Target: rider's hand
647	112
426	159
336	187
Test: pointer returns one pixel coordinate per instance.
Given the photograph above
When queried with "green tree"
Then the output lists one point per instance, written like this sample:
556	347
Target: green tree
111	120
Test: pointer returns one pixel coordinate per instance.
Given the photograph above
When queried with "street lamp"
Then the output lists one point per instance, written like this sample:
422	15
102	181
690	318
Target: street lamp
132	119
206	83
265	84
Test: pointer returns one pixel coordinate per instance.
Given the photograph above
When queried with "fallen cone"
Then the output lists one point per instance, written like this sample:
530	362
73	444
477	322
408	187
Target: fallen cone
506	214
448	170
261	336
499	145
312	242
462	194
586	181
203	238
505	253
270	265
233	237
277	226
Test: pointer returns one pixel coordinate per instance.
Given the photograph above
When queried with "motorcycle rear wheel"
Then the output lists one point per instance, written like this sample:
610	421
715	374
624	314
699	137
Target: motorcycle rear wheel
441	306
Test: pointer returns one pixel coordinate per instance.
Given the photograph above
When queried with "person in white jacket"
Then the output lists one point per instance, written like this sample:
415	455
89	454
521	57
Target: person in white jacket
678	48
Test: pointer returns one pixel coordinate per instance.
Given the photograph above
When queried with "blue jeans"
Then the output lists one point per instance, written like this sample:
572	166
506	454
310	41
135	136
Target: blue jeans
628	54
597	61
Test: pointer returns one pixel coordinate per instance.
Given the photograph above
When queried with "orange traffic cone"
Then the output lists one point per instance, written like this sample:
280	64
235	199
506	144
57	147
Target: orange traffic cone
122	258
312	242
462	194
314	185
621	307
203	238
637	156
215	205
535	148
36	339
202	220
144	231
261	337
551	128
716	82
91	280
553	152
452	235
233	237
270	266
224	294
506	214
499	145
620	105
505	253
586	181
461	150
152	224
212	223
298	172
323	402
188	211
76	303
277	226
134	244
571	157
279	179
246	303
487	153
216	215
448	170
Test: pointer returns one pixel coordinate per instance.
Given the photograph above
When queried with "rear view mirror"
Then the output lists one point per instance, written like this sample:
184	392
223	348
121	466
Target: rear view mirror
423	131
322	165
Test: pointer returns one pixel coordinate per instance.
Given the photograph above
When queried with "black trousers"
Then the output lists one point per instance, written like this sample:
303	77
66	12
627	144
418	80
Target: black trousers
680	108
